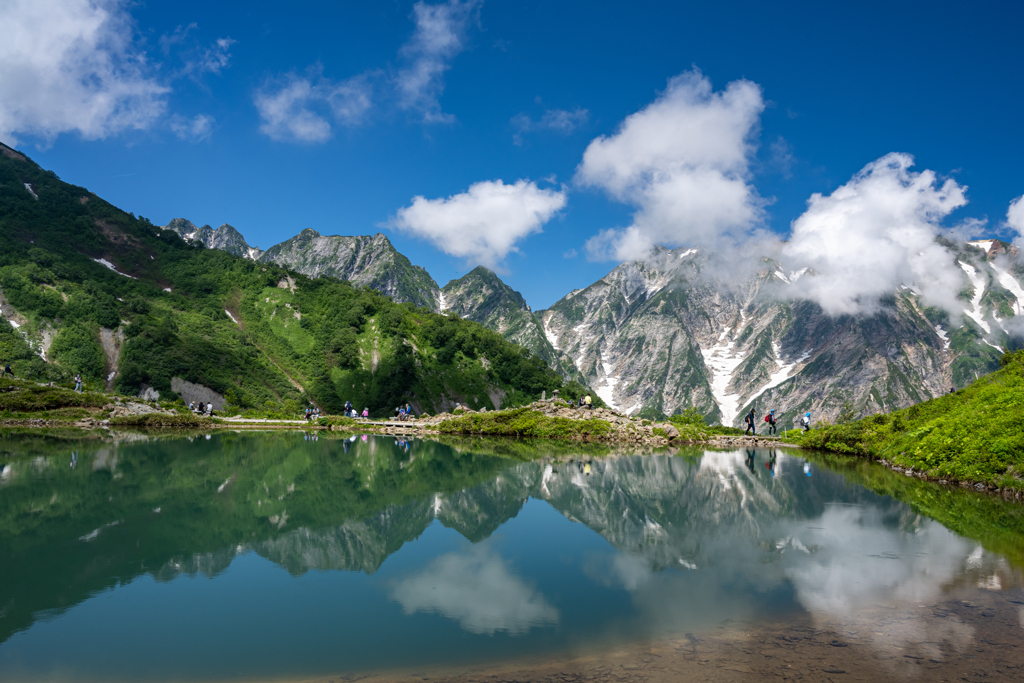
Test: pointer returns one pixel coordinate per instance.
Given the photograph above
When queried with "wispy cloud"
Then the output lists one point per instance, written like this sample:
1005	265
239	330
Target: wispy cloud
295	108
439	36
557	120
302	108
193	130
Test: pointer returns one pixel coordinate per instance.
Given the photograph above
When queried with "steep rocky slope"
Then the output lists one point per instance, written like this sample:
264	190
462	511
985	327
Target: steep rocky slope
661	335
370	261
482	297
225	238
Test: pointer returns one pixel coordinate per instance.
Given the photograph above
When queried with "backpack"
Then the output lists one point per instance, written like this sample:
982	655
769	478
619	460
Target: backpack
767	418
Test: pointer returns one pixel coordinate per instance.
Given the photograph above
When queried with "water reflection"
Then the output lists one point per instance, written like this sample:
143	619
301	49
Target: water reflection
402	533
477	589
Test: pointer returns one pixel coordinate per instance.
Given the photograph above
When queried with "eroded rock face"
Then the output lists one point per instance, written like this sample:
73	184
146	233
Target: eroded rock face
196	392
226	238
364	260
661	335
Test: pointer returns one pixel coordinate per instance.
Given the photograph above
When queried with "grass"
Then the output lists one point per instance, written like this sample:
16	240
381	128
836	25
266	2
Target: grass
160	420
21	396
973	435
524	422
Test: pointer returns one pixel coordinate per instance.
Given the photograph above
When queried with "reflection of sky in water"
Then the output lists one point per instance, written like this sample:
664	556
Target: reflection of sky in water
590	551
477	589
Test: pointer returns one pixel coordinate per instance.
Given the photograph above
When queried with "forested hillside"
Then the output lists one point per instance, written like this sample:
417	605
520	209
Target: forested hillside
89	288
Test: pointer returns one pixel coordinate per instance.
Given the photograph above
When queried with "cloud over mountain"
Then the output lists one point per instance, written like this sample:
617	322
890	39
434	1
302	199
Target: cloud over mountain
683	161
484	223
874	234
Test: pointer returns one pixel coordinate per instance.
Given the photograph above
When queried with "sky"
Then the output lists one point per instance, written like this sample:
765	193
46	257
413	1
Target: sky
548	141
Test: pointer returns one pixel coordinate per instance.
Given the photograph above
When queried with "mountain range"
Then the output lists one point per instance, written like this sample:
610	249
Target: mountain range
656	336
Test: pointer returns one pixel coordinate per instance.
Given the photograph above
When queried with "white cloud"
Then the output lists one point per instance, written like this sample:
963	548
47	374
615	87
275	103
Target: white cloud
872	235
558	120
477	590
683	161
484	223
294	107
1015	220
193	130
439	37
72	65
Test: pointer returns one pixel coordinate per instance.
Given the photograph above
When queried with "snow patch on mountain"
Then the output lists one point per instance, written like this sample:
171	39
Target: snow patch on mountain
28	186
722	360
983	244
978	281
1009	283
607	389
108	264
784	372
943	336
551	336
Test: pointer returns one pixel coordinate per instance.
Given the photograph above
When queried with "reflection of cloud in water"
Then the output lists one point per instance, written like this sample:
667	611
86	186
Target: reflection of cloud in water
856	563
476	589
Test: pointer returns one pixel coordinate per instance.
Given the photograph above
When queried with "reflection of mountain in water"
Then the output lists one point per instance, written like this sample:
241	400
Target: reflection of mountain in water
174	506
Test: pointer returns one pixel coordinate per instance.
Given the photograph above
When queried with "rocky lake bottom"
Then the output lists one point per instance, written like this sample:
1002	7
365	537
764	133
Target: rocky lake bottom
288	556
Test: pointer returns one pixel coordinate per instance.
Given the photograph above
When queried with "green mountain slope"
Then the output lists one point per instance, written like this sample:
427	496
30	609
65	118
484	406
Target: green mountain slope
482	297
86	287
973	435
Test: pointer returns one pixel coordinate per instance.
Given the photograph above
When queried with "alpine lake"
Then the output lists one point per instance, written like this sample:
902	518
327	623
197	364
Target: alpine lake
291	556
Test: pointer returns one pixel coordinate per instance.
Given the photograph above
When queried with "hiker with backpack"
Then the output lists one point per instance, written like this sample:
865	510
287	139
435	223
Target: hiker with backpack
78	382
770	419
751	425
805	422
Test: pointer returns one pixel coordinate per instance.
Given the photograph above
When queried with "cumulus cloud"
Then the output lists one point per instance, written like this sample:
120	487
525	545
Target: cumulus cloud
874	234
295	108
1015	220
438	38
683	161
192	130
477	590
73	66
484	223
557	120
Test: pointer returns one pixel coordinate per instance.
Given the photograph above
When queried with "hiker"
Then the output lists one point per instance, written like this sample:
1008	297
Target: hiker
348	409
408	410
308	413
366	413
580	403
78	382
589	402
192	406
749	421
8	371
805	422
770	419
398	412
209	409
201	408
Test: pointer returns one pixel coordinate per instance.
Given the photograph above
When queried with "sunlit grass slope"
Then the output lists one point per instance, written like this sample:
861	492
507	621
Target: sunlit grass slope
974	435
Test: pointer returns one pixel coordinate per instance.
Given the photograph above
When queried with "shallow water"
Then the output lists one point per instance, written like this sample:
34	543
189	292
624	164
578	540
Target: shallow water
275	556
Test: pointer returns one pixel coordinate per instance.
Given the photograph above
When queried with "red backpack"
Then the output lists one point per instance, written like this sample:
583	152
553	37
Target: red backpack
767	418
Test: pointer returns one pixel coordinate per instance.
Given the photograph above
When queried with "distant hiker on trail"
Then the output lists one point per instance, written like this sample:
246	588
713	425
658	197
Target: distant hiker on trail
366	413
209	409
202	408
408	410
770	419
749	421
8	371
579	403
589	402
349	409
308	414
78	382
805	422
192	406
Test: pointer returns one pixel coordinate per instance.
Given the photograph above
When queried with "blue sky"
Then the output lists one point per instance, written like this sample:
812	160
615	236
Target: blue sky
275	117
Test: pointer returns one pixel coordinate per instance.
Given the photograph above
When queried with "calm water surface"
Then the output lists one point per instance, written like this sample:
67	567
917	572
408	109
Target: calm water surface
261	556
